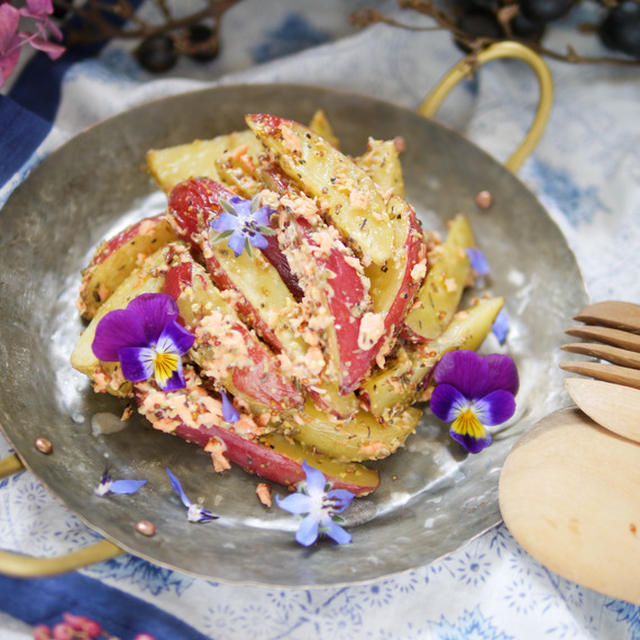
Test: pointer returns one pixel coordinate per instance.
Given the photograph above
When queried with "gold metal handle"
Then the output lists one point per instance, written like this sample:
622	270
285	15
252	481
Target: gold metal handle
21	566
506	49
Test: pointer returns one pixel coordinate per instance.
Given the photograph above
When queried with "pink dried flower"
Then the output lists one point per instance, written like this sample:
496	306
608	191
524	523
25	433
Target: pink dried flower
11	39
41	632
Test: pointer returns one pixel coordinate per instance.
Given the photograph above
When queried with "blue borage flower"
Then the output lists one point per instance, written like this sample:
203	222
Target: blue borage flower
321	504
108	486
229	412
195	513
480	266
244	222
473	392
500	326
478	262
146	339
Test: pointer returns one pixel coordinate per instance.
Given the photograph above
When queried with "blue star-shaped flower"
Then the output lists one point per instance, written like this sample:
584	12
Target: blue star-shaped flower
244	223
320	505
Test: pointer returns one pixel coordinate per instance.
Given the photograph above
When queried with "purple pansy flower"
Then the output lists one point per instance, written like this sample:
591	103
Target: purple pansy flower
244	222
472	392
229	412
478	262
500	326
195	513
108	486
321	504
146	339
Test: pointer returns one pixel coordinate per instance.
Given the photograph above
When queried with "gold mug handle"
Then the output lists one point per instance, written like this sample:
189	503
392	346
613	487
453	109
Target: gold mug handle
506	49
22	566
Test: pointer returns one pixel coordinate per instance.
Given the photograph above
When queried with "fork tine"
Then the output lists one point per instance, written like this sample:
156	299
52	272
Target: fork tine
606	372
616	337
605	352
612	313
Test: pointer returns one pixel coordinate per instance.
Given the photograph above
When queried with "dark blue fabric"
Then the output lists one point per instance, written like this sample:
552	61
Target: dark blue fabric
44	600
21	133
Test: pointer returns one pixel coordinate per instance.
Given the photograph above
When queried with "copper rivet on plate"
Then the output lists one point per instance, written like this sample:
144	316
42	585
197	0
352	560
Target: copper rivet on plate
43	445
145	527
484	199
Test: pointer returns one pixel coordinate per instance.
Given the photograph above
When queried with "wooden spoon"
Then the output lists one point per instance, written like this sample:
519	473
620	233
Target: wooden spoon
569	494
614	406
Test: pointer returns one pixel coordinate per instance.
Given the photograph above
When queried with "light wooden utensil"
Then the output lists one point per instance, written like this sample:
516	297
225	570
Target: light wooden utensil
568	493
613	324
613	406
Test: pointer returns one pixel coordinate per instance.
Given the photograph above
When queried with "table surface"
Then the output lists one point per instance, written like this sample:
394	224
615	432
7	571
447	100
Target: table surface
585	171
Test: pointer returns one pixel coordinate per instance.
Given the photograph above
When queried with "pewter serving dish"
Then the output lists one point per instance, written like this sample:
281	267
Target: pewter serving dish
433	497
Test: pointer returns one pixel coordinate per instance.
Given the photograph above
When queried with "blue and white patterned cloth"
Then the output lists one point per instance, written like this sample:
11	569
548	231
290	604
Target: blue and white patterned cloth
585	171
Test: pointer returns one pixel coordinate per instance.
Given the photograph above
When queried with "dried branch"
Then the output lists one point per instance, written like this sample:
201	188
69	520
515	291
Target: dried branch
473	43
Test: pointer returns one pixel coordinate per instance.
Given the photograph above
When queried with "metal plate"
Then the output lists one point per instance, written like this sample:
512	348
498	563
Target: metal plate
432	497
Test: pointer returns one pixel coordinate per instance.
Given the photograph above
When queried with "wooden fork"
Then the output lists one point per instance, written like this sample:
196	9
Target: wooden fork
616	325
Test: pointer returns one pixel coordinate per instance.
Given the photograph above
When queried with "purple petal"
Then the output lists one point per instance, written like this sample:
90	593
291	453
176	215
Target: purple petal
154	311
242	207
296	503
263	216
342	499
236	242
315	479
446	402
126	486
470	443
181	339
338	534
465	370
117	329
177	487
503	373
176	381
136	362
495	408
225	222
259	241
229	412
500	327
478	262
307	532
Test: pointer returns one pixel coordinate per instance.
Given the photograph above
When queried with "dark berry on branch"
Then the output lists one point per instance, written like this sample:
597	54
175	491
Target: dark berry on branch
526	29
202	43
477	23
544	10
620	30
60	10
157	53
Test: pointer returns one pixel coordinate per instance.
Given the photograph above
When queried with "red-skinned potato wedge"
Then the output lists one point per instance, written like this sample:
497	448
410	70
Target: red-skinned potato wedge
225	349
115	259
363	437
349	196
381	161
257	292
196	416
400	384
364	332
172	165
